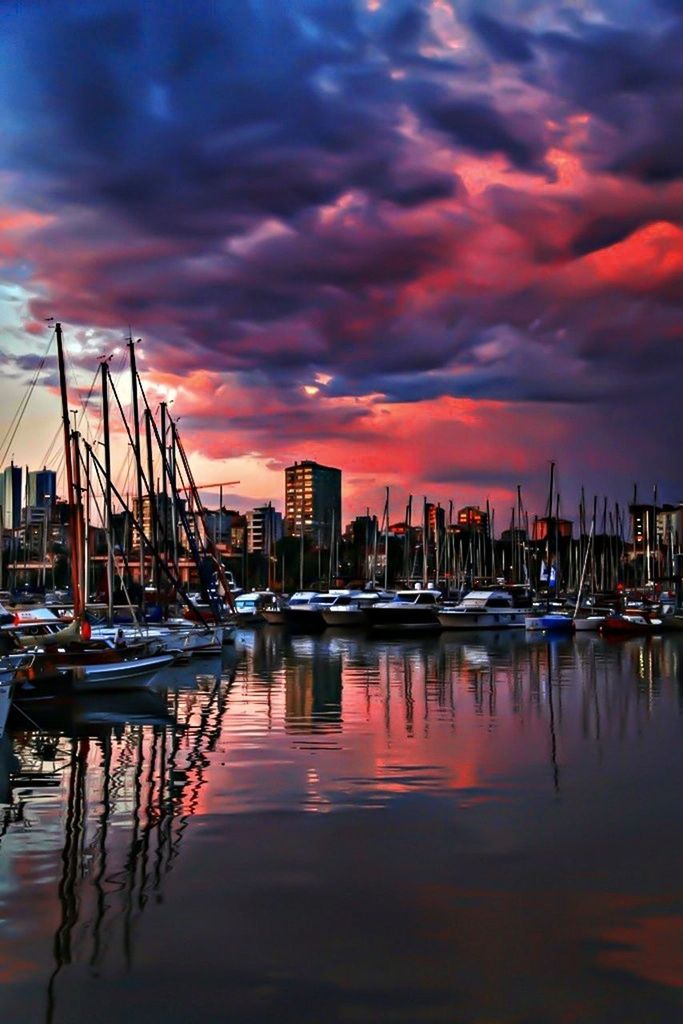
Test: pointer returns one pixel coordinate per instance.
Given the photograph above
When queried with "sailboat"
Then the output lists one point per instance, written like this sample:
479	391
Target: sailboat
549	621
72	657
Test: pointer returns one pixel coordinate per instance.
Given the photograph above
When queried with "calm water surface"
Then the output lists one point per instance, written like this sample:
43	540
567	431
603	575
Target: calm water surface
473	829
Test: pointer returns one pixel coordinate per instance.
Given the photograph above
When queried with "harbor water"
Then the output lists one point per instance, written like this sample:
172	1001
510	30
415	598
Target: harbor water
473	828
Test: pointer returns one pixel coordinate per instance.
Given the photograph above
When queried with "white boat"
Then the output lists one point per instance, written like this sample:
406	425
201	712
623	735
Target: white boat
304	609
414	610
176	636
350	609
122	675
484	609
274	613
250	604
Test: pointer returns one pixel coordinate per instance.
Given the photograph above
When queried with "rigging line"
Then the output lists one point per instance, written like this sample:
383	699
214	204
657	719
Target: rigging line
83	402
23	404
48	454
42	363
144	539
86	404
127	466
110	541
130	436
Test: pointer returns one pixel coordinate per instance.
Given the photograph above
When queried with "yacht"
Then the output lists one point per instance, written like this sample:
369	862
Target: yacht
408	610
274	613
305	608
484	609
249	605
350	609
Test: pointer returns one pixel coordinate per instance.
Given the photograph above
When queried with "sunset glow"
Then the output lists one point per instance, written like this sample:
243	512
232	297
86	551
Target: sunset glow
436	245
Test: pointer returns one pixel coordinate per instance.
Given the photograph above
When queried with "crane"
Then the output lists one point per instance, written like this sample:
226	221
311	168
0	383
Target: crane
207	487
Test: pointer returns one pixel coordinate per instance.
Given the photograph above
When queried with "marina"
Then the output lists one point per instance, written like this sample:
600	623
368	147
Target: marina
315	826
341	512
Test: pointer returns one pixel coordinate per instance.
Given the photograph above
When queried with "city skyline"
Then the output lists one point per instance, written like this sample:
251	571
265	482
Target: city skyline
435	245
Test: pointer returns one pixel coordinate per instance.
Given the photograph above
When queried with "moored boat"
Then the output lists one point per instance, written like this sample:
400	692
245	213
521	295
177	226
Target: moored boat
411	610
484	609
549	622
249	606
305	608
351	609
631	623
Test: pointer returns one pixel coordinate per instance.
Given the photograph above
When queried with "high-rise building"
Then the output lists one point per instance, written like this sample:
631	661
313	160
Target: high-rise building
11	494
313	500
264	528
163	504
41	488
548	527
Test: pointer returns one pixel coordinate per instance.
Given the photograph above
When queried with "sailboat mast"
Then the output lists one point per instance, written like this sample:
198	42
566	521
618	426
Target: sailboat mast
425	544
164	483
386	541
137	454
153	521
73	528
79	540
547	533
104	371
301	551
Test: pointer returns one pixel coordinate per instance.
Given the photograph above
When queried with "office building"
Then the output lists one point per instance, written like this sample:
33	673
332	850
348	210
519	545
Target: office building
313	500
41	488
264	528
11	495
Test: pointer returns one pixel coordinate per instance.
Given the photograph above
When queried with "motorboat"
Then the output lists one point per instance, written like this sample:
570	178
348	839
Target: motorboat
350	609
484	609
408	610
631	623
304	609
250	604
274	613
549	622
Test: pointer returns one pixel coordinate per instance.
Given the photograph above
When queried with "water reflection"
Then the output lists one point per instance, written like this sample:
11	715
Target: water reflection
488	786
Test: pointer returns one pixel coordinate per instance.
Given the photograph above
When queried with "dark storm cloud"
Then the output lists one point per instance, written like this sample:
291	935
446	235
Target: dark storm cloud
273	190
633	81
504	41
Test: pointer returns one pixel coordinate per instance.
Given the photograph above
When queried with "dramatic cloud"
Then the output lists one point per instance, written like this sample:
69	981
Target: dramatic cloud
336	226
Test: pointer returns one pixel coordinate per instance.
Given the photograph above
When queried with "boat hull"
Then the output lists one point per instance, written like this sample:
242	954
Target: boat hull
590	624
126	675
274	617
354	617
617	625
501	619
412	619
304	619
549	623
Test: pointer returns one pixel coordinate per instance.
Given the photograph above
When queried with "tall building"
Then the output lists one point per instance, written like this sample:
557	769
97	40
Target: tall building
548	526
225	528
41	489
11	497
264	528
473	519
312	499
164	516
646	526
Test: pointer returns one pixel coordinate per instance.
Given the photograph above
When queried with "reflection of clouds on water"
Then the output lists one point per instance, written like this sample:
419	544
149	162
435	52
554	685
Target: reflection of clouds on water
439	765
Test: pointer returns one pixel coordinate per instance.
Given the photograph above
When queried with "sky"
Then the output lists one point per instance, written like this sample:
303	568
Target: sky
437	244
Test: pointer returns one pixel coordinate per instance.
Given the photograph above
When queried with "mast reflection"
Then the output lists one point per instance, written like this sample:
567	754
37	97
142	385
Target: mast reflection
129	766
